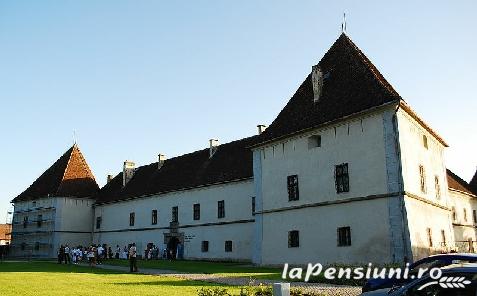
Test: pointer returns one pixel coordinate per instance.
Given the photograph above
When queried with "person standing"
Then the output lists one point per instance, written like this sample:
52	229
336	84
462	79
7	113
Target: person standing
132	258
67	255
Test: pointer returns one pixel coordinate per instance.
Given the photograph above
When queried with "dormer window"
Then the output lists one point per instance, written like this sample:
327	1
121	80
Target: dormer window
314	141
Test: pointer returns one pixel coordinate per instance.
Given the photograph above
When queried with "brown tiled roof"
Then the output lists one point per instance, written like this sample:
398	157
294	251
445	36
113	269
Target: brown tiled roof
352	84
457	183
231	161
473	183
68	176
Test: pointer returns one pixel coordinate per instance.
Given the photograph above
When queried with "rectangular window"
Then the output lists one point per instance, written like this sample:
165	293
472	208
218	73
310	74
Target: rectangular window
292	184
253	205
39	220
98	222
293	239
196	211
37	246
154	217
23	246
220	209
454	214
175	214
132	217
438	187
422	176
205	246
344	236
314	141
25	221
424	141
228	246
443	237
465	215
342	178
474	215
429	237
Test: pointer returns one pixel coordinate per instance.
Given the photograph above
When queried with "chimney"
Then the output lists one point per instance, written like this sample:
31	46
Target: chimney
317	80
261	128
161	158
109	178
128	171
213	146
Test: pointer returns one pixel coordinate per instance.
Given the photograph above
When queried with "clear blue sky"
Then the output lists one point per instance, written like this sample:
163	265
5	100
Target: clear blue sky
136	78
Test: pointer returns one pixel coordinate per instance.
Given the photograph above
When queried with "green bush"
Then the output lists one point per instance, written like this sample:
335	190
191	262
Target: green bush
213	292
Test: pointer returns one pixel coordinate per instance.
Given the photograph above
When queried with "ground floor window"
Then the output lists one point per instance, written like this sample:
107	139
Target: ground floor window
205	246
344	236
228	246
293	239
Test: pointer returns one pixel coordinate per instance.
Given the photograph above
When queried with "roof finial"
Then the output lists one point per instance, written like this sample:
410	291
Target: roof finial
343	24
74	137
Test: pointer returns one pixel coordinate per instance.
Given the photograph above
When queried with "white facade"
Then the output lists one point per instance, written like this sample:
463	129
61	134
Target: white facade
236	226
41	226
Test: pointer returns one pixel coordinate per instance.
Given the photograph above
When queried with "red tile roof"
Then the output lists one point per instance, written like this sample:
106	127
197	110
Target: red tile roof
457	183
352	84
70	175
232	161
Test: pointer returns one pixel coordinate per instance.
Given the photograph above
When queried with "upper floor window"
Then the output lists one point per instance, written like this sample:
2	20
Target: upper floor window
314	141
37	246
39	220
154	217
422	176
175	214
292	184
341	178
228	246
474	216
25	221
424	141
196	211
132	217
454	214
443	237
429	237
98	222
293	239
253	205
33	204
465	215
438	187
221	209
344	236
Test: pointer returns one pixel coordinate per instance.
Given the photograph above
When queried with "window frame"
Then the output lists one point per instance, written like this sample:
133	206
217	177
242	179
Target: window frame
221	209
154	217
39	220
196	212
228	246
175	214
293	239
342	178
422	179
293	188
132	218
99	219
204	247
344	236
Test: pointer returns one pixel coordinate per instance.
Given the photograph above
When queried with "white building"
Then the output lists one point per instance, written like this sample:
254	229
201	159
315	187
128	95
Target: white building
347	172
56	209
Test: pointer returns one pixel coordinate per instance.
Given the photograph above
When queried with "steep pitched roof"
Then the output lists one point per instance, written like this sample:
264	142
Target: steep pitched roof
473	183
352	84
70	175
232	161
457	183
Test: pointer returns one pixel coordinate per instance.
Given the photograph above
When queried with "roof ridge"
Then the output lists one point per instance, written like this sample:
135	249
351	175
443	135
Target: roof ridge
374	70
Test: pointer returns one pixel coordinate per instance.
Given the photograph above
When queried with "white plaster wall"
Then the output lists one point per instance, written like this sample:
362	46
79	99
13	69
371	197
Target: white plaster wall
358	142
115	229
318	234
463	230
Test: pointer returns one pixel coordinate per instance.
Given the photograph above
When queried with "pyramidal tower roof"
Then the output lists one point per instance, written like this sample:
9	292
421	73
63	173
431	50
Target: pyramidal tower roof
69	176
351	84
473	183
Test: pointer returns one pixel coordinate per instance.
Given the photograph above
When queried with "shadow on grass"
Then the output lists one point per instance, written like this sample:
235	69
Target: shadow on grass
178	283
42	266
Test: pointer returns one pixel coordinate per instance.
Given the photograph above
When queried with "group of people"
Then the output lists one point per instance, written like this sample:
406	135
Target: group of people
93	254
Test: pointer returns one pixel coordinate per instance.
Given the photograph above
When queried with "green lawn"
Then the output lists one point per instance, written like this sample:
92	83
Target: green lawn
222	268
47	278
